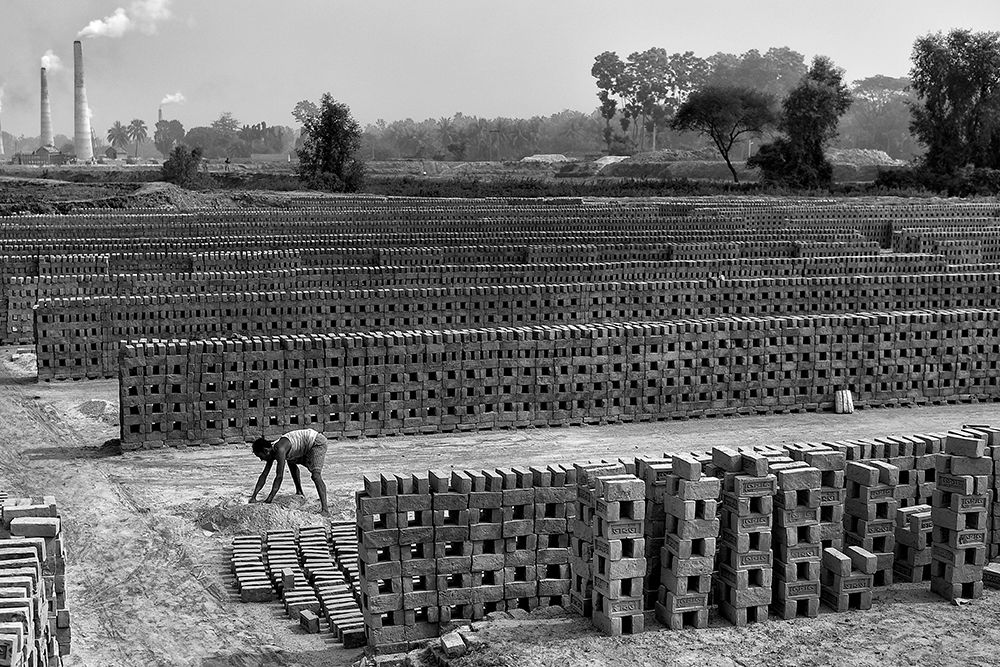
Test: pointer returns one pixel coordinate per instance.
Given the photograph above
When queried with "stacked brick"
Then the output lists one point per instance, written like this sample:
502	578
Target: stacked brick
992	450
654	473
847	578
446	546
34	617
870	513
252	580
829	460
619	561
581	530
797	536
358	384
912	563
284	568
959	515
745	578
690	544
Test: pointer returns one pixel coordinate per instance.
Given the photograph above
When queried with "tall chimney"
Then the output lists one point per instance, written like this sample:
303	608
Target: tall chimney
81	110
159	114
1	140
46	138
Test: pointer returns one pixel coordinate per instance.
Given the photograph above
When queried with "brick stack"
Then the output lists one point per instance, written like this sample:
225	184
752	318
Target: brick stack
847	578
913	544
520	578
488	544
743	586
689	549
336	598
797	539
829	459
34	618
925	464
386	559
654	474
582	534
344	547
281	555
252	580
554	506
959	512
993	516
619	561
870	513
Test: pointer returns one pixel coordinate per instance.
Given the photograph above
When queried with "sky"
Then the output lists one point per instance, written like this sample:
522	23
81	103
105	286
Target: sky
397	59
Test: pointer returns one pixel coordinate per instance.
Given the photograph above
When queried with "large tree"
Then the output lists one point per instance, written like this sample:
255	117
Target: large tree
776	72
168	133
724	114
138	133
957	80
226	122
809	119
332	138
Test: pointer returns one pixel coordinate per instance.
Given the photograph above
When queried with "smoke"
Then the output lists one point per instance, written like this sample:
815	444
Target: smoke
173	98
51	61
141	15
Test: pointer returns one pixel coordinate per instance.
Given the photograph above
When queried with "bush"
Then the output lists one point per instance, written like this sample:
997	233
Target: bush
182	169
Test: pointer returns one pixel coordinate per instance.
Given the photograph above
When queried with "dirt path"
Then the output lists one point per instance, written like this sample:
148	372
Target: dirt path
147	534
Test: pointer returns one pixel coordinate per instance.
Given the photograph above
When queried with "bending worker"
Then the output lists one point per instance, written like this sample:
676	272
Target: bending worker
304	447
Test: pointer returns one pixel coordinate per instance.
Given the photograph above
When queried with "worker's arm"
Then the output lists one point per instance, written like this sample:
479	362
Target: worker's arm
281	451
260	481
294	469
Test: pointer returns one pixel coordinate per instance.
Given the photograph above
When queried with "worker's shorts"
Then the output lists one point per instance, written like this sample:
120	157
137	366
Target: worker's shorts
313	460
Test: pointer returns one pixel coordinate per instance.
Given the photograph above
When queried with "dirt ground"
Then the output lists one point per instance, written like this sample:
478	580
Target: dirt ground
147	535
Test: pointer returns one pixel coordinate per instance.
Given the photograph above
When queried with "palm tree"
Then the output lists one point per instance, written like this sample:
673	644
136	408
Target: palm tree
118	135
138	133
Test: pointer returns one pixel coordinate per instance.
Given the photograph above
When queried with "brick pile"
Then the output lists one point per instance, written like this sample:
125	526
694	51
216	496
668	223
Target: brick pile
300	568
619	559
654	473
350	385
455	545
745	578
959	515
847	578
912	563
581	533
690	543
870	513
34	618
797	538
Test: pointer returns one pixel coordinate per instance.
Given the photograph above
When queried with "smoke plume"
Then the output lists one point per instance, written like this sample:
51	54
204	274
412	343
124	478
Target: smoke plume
173	98
141	15
51	61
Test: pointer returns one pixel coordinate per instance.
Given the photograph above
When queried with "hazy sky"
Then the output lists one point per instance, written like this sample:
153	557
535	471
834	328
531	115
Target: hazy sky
414	58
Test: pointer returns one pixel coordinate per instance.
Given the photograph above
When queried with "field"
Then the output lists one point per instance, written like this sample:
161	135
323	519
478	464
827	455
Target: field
148	533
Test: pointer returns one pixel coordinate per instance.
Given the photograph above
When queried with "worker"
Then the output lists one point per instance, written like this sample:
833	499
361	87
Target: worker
304	447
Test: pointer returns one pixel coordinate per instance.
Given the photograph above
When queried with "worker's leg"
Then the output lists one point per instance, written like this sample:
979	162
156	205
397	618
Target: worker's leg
316	460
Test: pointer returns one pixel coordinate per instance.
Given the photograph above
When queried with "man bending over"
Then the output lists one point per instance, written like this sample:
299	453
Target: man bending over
304	447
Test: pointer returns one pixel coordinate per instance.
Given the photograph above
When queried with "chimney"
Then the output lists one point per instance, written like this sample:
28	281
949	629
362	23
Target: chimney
160	115
47	138
1	140
81	110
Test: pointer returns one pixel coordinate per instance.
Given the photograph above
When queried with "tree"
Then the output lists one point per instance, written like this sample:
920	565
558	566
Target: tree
724	114
304	109
957	81
168	134
138	133
332	138
226	123
880	117
775	72
810	115
118	135
181	168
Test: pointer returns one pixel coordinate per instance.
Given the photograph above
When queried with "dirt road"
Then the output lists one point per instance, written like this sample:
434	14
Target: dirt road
147	534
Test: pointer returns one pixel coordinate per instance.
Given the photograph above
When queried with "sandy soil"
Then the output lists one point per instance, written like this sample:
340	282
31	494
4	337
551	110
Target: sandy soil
147	535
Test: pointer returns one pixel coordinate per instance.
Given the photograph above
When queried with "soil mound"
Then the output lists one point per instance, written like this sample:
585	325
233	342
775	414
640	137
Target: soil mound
237	517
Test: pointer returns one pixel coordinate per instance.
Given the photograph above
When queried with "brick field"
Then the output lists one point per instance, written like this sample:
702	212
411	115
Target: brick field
621	410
